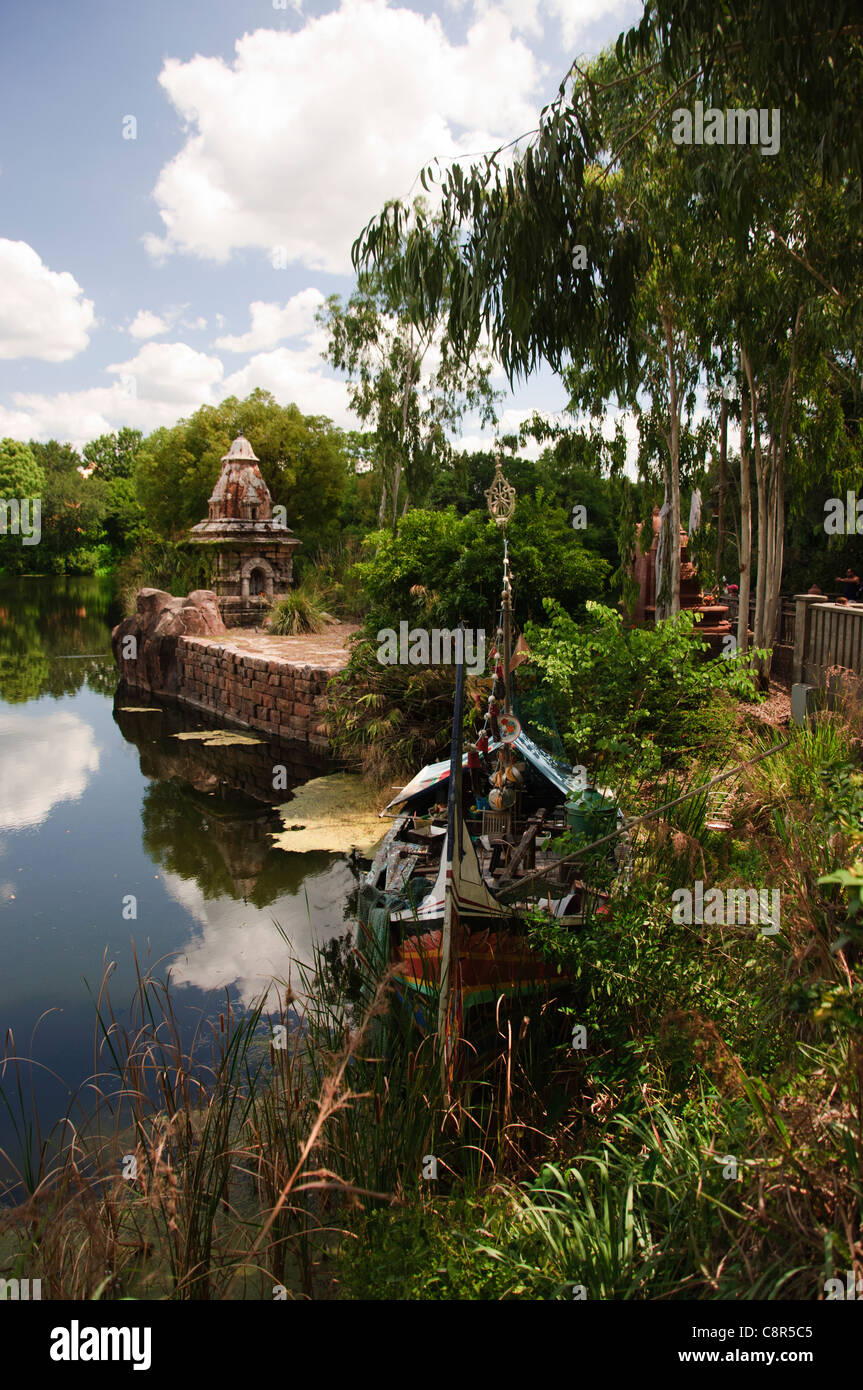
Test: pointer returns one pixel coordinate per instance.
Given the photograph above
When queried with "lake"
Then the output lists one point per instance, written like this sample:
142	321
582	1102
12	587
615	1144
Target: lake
117	838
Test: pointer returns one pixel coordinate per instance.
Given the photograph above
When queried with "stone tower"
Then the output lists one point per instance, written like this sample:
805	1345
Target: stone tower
254	553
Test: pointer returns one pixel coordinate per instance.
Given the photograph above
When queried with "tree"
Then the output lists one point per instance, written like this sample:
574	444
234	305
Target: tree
411	406
632	308
804	57
22	482
441	567
796	351
302	458
114	455
20	474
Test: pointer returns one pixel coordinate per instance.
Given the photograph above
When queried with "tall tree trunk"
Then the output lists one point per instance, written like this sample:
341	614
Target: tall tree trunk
760	636
674	480
723	485
397	482
402	457
745	527
779	450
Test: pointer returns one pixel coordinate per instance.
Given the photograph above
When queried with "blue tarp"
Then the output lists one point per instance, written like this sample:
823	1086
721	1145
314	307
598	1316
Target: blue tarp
559	774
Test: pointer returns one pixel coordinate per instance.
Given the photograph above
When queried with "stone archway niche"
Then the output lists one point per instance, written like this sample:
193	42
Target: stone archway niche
257	580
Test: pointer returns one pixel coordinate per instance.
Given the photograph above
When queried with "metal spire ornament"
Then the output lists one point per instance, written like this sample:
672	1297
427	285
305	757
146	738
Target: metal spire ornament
500	497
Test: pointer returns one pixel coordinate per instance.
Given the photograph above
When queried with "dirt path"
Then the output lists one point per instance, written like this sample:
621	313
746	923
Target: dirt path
775	710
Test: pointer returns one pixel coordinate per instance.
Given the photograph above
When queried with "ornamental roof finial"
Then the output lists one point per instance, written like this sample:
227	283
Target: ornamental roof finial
500	497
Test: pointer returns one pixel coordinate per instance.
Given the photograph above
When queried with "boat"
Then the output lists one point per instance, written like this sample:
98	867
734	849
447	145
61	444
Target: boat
447	903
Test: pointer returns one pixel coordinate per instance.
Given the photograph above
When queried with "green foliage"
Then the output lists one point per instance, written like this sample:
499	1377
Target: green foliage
177	567
642	688
114	455
302	458
428	1252
20	474
442	567
300	611
411	412
388	720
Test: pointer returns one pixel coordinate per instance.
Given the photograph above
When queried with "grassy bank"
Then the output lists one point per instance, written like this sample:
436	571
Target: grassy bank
705	1143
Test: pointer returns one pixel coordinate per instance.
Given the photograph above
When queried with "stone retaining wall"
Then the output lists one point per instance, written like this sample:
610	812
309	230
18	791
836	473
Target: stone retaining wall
269	693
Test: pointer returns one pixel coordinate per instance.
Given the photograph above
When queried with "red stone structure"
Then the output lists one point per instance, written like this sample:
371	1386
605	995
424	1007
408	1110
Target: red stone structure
714	616
254	552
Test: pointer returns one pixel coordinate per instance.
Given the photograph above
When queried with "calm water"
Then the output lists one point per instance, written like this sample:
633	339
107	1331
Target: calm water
99	803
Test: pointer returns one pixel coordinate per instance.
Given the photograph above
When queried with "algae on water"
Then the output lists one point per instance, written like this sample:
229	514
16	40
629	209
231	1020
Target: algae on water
218	738
334	813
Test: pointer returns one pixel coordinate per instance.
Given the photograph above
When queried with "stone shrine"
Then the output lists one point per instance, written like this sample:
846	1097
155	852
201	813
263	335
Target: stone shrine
714	625
254	553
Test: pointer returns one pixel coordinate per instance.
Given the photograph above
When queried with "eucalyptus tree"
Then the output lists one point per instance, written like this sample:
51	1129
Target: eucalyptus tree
406	383
786	325
564	252
803	57
522	253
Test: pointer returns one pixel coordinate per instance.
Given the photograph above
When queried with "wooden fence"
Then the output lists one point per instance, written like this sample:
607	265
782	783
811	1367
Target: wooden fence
785	619
826	635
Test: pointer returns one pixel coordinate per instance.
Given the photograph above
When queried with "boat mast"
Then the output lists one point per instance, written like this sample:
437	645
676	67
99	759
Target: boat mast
448	1010
500	497
506	608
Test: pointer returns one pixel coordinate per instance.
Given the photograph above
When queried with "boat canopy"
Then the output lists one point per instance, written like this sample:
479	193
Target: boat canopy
557	773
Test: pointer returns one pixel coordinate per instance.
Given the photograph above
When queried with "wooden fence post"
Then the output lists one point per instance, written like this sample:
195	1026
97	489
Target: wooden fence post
801	634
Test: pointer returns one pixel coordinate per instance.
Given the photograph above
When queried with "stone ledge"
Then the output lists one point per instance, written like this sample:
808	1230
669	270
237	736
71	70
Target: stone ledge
275	685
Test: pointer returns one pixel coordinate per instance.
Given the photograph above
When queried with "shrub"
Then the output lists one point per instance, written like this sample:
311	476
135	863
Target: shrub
300	611
177	567
640	689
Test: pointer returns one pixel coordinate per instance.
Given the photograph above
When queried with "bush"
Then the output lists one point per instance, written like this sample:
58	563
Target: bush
300	611
640	691
442	567
177	567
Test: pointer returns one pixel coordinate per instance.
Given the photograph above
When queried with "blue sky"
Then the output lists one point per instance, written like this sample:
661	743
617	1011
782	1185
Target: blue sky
142	277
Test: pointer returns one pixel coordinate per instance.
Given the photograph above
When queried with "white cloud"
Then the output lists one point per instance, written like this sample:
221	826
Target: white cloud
42	312
147	325
295	375
239	946
166	381
49	758
304	138
577	17
273	322
523	15
170	372
158	386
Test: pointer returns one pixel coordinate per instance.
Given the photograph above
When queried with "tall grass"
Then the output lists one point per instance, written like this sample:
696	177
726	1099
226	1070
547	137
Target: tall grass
301	611
234	1161
708	1143
178	567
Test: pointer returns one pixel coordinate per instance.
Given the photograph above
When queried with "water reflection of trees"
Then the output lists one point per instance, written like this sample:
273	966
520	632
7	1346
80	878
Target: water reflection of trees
223	845
43	619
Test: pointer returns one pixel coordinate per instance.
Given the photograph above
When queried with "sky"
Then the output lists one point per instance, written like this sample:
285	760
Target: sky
181	182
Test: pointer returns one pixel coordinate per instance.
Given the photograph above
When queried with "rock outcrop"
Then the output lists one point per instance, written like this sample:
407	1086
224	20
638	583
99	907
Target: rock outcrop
149	662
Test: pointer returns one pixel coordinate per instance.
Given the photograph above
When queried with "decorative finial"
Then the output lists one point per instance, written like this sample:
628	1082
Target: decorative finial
500	497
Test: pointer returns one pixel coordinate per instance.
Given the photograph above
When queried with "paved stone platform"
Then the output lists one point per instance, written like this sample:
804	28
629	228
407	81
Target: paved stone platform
324	650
